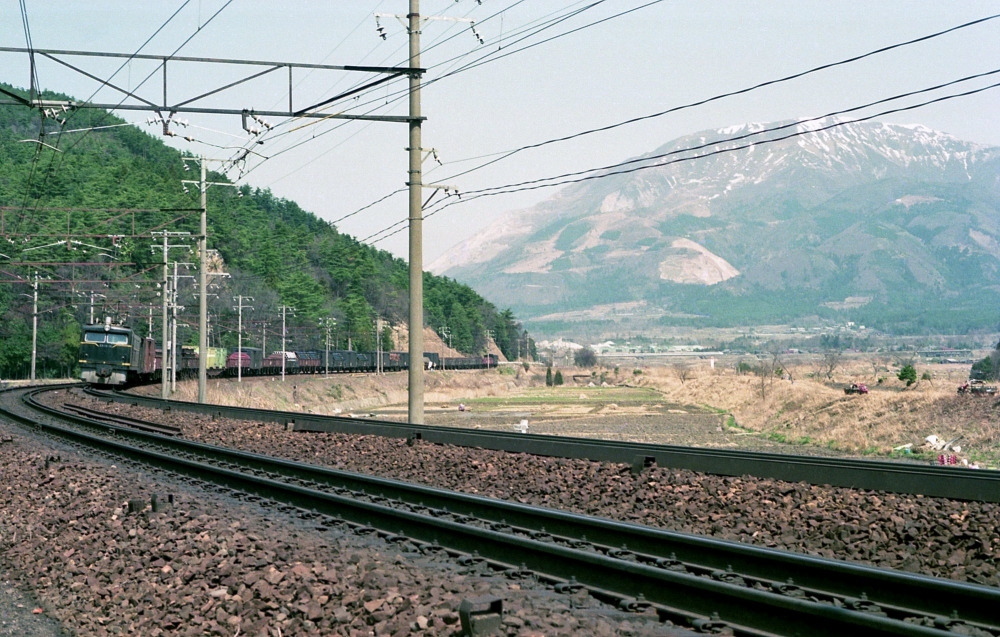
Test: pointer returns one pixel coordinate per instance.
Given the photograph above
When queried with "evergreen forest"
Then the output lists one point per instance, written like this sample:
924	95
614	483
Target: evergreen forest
93	198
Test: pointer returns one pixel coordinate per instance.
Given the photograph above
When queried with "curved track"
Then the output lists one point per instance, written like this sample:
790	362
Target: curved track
706	584
957	483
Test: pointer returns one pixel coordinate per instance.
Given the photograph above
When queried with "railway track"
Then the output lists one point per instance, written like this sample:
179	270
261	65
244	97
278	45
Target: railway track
705	584
956	483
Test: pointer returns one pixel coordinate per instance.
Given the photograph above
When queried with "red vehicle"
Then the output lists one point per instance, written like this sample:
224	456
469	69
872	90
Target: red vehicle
977	387
856	388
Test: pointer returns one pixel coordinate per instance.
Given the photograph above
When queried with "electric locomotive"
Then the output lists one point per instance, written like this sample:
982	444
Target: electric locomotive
115	355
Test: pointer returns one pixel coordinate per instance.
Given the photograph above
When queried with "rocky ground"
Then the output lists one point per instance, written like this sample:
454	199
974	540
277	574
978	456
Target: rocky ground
934	536
211	564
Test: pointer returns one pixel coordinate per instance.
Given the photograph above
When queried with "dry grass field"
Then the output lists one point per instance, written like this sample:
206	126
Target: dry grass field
810	409
802	410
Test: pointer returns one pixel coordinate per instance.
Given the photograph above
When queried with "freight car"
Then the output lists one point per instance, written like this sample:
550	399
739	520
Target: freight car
249	358
470	362
115	355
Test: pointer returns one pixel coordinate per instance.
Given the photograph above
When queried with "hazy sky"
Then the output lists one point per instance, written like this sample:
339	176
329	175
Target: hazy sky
666	54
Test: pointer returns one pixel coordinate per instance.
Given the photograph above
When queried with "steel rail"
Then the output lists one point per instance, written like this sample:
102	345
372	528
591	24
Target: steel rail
682	576
957	483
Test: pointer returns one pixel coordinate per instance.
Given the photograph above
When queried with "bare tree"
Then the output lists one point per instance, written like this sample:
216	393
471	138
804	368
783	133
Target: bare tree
878	364
830	362
682	372
768	370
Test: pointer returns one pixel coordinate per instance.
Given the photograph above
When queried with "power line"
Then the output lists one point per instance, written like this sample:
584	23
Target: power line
400	95
753	133
146	79
708	100
510	188
69	118
734	93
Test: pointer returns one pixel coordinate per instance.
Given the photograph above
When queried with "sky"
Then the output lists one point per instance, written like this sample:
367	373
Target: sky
656	57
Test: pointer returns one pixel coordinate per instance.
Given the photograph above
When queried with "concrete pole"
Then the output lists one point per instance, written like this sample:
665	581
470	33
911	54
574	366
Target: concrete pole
203	289
173	335
327	349
34	328
239	336
283	308
91	308
416	371
378	345
239	342
164	353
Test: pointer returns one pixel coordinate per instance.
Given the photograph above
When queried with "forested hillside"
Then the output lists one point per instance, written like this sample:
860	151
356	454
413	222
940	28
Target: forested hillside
121	180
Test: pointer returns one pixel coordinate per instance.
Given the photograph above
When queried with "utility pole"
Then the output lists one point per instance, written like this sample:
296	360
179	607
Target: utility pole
34	328
203	289
164	355
91	308
166	345
173	336
328	323
203	186
445	333
378	344
175	304
416	367
239	337
490	334
283	309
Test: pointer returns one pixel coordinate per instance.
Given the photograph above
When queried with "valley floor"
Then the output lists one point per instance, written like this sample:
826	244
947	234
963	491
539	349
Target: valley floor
802	411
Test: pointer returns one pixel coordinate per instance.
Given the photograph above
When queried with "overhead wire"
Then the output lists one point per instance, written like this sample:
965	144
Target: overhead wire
512	188
70	116
764	131
742	91
702	102
399	96
708	100
107	114
268	136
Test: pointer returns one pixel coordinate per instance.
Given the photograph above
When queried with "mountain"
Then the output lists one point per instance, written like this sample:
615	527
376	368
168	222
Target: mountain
118	180
892	225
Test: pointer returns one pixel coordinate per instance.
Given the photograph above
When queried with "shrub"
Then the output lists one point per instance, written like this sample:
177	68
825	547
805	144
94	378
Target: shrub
585	357
926	376
558	380
636	371
527	366
908	374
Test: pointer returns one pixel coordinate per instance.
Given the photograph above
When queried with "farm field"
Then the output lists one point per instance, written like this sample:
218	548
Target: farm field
800	411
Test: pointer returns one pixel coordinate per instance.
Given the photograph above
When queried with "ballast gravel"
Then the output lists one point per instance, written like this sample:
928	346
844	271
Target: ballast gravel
211	564
933	536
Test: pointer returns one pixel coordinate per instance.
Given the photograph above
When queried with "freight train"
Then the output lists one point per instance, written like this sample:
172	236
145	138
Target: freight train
113	355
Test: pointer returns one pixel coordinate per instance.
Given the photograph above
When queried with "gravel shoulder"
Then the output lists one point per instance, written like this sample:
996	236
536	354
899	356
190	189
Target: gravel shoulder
933	536
18	616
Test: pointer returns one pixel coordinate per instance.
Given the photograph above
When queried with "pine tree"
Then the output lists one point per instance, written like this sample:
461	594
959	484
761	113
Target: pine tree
908	374
548	377
558	380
